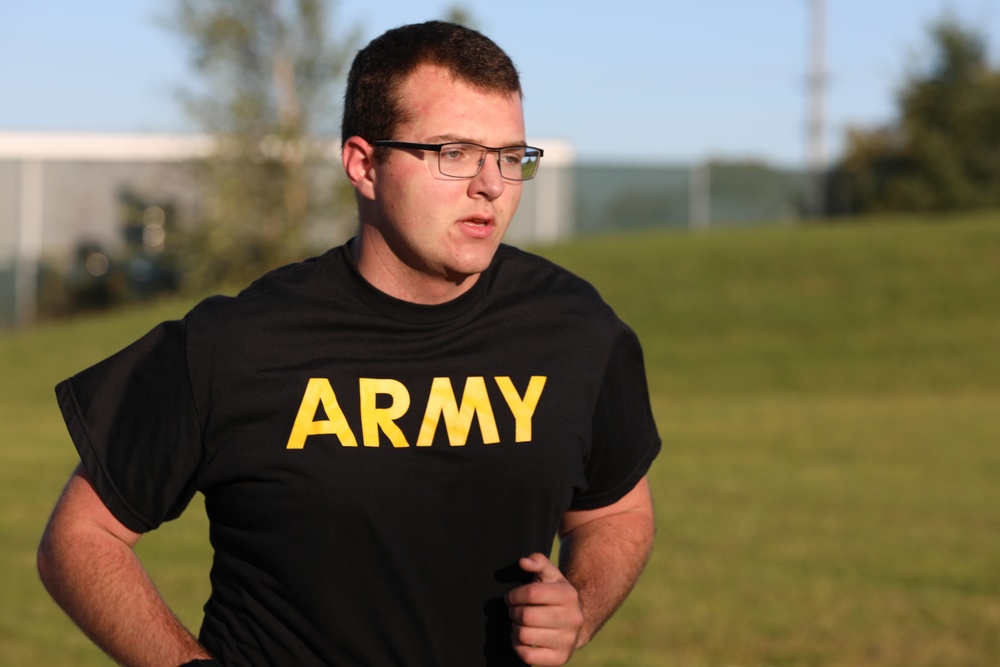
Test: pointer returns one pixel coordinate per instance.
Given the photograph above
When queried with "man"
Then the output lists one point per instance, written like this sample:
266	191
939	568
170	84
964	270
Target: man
350	525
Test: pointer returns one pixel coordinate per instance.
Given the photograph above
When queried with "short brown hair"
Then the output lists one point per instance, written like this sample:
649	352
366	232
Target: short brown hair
371	102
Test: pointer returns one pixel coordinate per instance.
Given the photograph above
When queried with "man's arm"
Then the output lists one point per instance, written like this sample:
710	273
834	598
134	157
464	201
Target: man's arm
602	553
86	563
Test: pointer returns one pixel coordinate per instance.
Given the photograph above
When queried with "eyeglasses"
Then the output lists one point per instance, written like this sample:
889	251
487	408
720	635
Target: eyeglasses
465	160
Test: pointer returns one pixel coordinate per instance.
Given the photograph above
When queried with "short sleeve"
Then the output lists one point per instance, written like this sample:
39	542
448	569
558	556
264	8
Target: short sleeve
624	440
134	423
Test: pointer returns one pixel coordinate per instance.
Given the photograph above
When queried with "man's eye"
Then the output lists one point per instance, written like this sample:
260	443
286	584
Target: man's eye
511	158
453	154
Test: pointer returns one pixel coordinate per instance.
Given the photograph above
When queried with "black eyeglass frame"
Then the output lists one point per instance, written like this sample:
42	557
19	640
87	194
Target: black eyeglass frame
389	143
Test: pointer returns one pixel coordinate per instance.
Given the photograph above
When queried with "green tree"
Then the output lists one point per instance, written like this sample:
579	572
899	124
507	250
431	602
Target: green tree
268	74
461	15
943	152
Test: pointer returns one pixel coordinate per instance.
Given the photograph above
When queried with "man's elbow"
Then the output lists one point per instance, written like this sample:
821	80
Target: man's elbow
47	561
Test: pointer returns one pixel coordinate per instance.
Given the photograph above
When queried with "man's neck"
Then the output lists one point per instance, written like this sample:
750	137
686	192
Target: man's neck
391	275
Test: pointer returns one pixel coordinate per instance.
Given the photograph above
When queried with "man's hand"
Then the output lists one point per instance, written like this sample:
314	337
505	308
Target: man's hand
546	615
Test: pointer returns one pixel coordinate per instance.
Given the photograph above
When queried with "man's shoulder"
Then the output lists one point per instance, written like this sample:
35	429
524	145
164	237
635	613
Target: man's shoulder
287	289
539	276
306	280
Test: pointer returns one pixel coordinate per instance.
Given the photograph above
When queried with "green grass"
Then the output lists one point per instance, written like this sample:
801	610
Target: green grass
829	490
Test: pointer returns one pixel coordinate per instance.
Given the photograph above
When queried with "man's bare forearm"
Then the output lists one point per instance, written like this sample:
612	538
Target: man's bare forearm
87	565
603	557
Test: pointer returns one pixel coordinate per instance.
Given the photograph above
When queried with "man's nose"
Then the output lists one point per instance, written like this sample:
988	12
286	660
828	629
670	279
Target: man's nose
489	181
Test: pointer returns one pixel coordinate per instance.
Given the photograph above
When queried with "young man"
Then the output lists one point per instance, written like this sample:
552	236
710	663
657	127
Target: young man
388	437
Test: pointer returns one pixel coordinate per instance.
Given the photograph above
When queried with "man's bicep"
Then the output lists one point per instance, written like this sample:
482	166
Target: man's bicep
636	502
80	506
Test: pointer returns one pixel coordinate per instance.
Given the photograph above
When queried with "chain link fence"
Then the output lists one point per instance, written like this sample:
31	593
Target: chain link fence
614	198
52	207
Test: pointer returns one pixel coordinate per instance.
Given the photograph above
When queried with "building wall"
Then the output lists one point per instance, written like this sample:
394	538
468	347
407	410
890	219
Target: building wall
60	190
57	191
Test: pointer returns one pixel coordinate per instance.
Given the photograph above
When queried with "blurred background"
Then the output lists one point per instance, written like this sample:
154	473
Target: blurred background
147	145
795	203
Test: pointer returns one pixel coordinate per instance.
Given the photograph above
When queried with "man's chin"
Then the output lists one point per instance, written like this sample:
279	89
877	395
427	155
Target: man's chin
471	265
461	278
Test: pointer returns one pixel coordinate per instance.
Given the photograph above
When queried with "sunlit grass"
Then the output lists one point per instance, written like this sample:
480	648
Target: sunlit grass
829	489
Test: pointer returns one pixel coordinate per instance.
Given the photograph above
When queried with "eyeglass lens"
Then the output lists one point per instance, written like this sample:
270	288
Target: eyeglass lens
517	163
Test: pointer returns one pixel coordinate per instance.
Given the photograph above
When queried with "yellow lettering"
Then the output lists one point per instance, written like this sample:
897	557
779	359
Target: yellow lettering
523	409
374	418
318	390
441	404
458	421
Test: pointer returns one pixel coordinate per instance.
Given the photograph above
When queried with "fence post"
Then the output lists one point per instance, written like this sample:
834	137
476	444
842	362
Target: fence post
700	196
29	243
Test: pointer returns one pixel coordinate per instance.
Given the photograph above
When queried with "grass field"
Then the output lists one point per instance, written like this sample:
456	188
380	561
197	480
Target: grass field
829	491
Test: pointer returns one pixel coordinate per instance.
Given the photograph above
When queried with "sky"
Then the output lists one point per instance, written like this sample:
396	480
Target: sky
654	81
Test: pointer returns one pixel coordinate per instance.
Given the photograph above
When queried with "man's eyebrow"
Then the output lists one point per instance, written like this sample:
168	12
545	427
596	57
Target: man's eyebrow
456	139
449	138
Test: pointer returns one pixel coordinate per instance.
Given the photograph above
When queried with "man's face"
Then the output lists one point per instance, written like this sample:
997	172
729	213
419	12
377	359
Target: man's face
437	228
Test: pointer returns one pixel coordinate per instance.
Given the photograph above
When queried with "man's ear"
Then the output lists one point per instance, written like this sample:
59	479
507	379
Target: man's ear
359	165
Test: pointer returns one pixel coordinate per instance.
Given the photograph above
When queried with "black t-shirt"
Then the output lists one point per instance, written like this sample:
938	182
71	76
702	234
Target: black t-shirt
372	468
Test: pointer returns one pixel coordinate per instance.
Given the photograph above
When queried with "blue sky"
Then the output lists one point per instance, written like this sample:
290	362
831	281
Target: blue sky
629	80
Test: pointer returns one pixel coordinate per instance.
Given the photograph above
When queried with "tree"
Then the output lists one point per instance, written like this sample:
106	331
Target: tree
943	153
461	15
268	77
